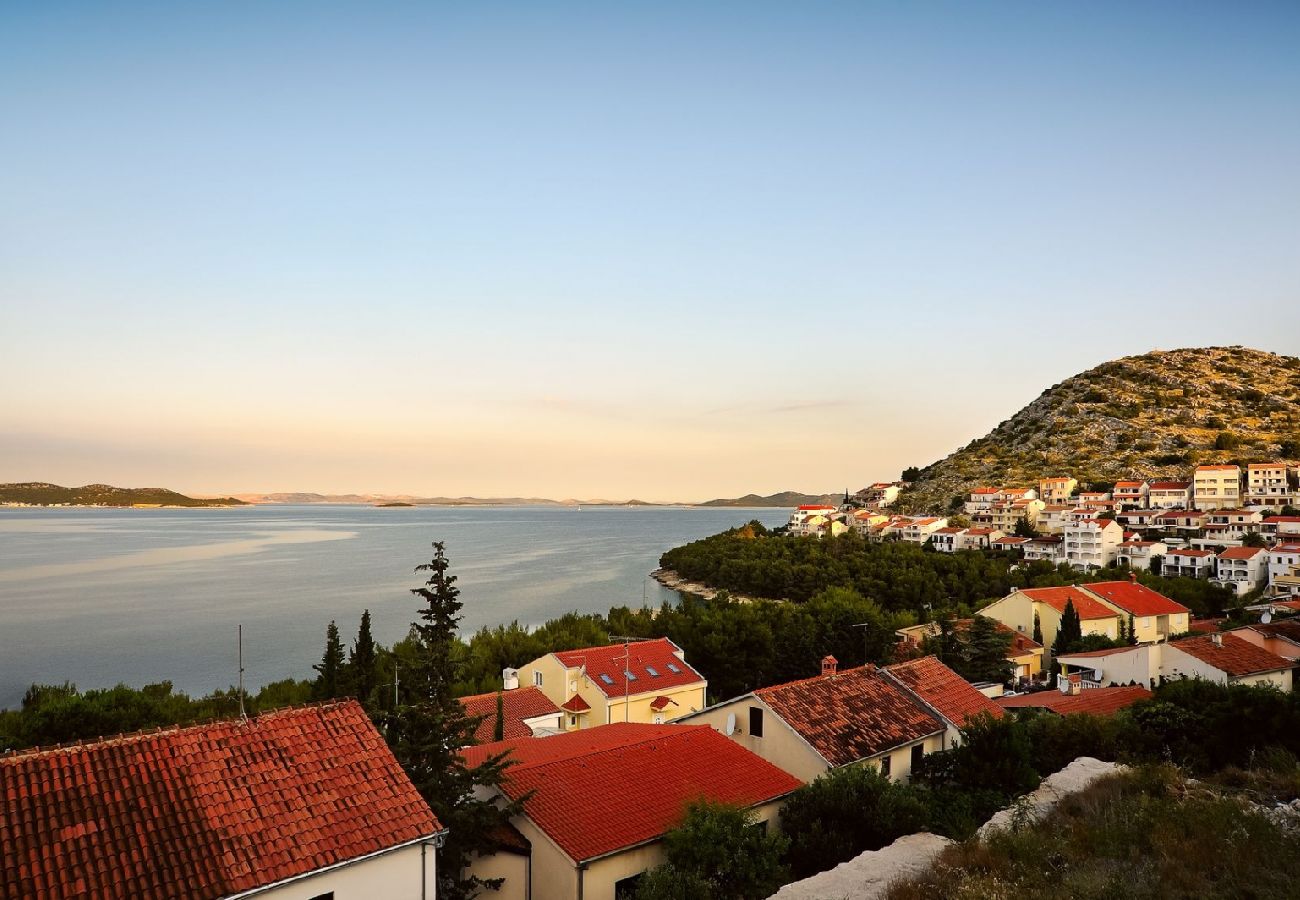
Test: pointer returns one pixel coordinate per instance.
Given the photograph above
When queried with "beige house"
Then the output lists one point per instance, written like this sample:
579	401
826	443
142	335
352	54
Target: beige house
1017	611
1227	659
1267	485
302	803
836	719
1131	494
596	804
1057	490
1154	616
644	681
1170	495
1216	487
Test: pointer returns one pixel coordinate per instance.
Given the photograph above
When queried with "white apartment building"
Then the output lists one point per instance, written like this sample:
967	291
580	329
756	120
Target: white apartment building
918	531
1093	545
1051	549
1189	563
1216	487
1267	484
810	519
947	540
1169	495
1243	569
1138	554
1282	558
1131	494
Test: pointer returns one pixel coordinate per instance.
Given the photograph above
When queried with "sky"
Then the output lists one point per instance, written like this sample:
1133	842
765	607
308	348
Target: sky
670	251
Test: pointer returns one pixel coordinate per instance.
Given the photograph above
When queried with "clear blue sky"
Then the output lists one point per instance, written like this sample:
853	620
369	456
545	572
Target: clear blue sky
670	250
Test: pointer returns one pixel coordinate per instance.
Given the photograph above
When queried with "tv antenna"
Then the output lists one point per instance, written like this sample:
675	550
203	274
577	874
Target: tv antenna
627	668
243	715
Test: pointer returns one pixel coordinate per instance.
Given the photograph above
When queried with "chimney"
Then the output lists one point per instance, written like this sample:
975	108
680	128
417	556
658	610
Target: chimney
1076	683
509	679
1132	577
1217	639
829	664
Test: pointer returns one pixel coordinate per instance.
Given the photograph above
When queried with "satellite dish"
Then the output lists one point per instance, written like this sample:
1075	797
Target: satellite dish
1267	617
731	723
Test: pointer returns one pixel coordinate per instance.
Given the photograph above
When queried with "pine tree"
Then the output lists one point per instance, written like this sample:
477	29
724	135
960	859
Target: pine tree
1069	633
428	732
1024	528
986	652
1132	637
362	662
330	669
499	729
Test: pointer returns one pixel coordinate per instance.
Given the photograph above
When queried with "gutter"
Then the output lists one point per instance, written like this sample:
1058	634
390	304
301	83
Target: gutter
437	838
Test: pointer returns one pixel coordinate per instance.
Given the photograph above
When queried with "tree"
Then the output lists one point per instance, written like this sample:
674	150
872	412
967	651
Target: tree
1024	529
1226	440
720	848
1070	631
1254	539
499	727
361	662
911	473
1038	629
330	669
430	730
986	652
1131	637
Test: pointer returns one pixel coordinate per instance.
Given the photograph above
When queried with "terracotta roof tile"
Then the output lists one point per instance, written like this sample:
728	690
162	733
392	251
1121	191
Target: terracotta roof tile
852	714
1241	553
204	811
519	704
953	696
602	789
1095	701
658	656
1232	655
1135	598
1056	597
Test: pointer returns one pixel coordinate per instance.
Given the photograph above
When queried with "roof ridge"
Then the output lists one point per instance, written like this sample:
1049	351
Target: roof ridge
675	732
771	688
125	737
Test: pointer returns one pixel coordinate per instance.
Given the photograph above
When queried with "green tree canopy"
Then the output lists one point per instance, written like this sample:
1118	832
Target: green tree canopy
722	849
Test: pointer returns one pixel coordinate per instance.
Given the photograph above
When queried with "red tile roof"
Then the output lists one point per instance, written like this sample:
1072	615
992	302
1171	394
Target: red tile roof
1205	626
815	507
658	704
1095	701
1093	654
519	704
1280	628
1233	655
1276	519
602	789
1194	554
643	656
1241	553
1134	598
1170	485
851	715
953	696
574	704
205	811
1056	597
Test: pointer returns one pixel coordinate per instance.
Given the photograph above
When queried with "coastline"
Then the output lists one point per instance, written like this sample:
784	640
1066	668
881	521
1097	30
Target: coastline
671	580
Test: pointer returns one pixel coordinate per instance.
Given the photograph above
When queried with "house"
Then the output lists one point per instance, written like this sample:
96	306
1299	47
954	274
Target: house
1093	498
1131	494
644	681
1280	637
1057	490
947	540
865	519
1243	569
810	518
1284	569
597	803
297	803
835	719
1095	669
1051	549
981	499
1216	487
954	698
1267	484
1004	515
918	531
1188	563
881	495
1053	518
1018	609
1282	526
1169	495
1025	654
1138	518
526	711
1009	542
1104	701
1185	520
1093	545
1139	554
1154	616
1227	659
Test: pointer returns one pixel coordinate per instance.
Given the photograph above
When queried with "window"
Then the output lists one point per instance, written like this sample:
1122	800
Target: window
755	721
606	679
917	752
626	888
659	718
537	679
651	670
573	720
885	765
673	668
629	675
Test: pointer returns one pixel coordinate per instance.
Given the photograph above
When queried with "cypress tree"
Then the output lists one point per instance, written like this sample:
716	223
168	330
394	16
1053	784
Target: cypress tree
499	729
1070	632
362	661
1132	630
428	733
1038	629
330	669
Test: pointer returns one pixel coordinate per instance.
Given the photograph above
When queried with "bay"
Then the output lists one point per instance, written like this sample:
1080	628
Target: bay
101	596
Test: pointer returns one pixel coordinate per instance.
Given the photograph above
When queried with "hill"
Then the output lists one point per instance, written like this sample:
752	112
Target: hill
784	498
39	493
1155	415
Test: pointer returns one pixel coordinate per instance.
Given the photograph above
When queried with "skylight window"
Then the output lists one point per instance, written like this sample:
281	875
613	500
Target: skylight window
651	670
673	668
607	679
630	676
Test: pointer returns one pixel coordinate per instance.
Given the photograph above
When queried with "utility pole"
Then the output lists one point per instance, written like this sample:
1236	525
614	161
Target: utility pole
627	669
242	714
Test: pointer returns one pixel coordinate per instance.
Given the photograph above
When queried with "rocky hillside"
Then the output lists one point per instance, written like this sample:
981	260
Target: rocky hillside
40	493
784	498
1154	415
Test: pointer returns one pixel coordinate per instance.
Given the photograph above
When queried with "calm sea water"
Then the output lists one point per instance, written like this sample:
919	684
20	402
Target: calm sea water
100	596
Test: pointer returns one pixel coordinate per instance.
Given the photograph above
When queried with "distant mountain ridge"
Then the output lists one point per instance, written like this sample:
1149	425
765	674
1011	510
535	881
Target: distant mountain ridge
784	498
41	493
1157	415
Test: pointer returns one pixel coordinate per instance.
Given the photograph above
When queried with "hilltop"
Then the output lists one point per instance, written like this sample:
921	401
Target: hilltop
1154	415
784	498
40	493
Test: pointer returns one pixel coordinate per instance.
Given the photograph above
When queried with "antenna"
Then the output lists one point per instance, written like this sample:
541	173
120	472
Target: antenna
627	668
242	714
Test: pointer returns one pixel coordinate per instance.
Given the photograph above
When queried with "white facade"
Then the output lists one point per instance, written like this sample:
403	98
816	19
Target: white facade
1188	563
407	873
1169	495
1138	554
1093	545
1216	487
1243	569
1267	485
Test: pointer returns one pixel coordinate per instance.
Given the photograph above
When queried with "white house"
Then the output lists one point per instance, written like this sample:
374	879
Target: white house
1223	658
1282	558
1243	569
1138	554
1188	563
1051	549
299	803
1169	495
810	519
947	540
918	531
1267	484
1093	545
1282	526
1131	494
1216	487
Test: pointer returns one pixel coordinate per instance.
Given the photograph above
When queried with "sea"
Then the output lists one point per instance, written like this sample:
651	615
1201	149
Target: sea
105	596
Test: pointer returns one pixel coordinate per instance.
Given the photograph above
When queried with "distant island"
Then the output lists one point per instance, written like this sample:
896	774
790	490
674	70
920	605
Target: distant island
40	493
784	498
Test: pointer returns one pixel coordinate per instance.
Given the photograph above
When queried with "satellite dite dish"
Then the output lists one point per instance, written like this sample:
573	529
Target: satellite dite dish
731	723
1267	617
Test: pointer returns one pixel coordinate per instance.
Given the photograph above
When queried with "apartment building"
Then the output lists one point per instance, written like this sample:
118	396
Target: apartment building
1131	494
1189	563
1169	495
1216	487
1267	484
1057	491
1243	569
1093	545
1138	554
